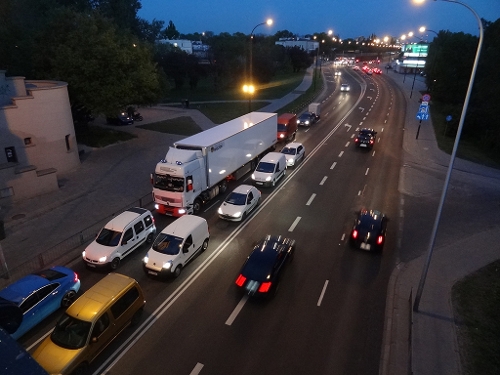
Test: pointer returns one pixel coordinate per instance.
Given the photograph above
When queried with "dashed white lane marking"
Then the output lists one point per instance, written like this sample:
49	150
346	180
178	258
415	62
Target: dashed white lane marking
366	173
373	154
236	310
333	165
323	180
197	369
343	236
341	153
294	224
347	144
309	201
353	135
322	293
359	192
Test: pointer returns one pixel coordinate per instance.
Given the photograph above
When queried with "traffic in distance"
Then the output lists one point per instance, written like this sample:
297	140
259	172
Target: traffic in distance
194	171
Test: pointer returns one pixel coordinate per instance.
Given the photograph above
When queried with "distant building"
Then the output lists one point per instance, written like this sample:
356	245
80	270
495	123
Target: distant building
184	45
37	136
305	44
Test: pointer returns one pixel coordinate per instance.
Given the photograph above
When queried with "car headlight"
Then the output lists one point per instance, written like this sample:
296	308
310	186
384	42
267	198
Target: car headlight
268	178
253	176
298	121
237	214
307	122
102	259
83	254
282	135
167	265
146	259
219	210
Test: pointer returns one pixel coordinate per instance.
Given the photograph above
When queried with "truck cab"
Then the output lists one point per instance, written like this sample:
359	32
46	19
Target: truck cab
287	127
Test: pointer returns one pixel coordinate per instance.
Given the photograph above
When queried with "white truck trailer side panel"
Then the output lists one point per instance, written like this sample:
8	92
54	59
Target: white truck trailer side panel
315	108
231	145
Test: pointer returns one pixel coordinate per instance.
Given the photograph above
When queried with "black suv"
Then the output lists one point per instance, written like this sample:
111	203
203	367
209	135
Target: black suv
369	230
366	138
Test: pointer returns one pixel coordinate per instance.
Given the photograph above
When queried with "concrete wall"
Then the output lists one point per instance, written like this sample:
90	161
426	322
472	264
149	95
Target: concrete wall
36	123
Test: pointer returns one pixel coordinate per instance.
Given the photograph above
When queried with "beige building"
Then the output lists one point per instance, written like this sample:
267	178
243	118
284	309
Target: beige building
37	136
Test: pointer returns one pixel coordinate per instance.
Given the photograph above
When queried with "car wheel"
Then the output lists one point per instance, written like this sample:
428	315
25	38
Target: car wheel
150	238
178	271
223	187
205	245
115	263
81	369
68	298
136	318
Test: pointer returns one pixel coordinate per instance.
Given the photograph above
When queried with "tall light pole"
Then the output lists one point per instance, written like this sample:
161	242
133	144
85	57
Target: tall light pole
453	153
250	88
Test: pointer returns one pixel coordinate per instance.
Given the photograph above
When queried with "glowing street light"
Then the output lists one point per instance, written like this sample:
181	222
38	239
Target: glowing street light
453	153
250	87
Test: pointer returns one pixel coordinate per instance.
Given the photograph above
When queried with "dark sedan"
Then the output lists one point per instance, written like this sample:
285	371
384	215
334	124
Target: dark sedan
369	231
122	119
261	273
366	138
307	119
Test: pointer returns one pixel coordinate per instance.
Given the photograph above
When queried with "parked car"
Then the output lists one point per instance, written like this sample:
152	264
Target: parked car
294	153
307	119
365	138
40	294
121	119
239	203
345	87
369	230
262	270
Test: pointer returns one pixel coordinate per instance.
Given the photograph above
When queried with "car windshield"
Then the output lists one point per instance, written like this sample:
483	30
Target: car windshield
70	333
108	237
305	116
265	167
289	151
169	183
237	199
167	244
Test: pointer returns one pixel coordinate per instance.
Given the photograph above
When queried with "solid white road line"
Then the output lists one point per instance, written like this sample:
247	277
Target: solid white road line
236	310
322	293
294	224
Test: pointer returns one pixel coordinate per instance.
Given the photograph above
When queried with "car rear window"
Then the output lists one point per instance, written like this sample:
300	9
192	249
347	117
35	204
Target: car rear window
50	274
260	264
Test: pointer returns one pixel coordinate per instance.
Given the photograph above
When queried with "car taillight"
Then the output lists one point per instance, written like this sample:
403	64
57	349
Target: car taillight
354	233
371	141
240	280
380	239
264	287
75	277
356	140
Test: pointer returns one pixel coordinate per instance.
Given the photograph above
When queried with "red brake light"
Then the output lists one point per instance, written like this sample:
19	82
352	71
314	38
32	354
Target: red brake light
380	239
354	233
356	140
75	277
264	287
240	280
371	141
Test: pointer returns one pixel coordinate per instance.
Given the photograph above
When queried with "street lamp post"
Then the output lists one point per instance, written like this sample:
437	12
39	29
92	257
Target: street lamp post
250	88
453	153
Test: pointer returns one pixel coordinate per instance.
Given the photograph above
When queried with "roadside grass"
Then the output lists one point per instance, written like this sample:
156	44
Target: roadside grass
183	125
467	149
476	303
96	136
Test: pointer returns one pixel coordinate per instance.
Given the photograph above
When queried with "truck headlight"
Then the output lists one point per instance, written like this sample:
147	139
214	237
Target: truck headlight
167	265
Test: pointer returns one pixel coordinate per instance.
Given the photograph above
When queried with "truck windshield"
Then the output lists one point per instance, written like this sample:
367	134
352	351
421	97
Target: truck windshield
282	127
167	244
265	167
169	183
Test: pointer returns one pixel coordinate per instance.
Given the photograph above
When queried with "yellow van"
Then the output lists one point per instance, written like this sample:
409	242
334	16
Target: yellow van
90	324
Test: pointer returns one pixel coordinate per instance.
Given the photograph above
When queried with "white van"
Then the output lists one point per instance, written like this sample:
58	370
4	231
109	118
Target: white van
121	236
270	169
176	245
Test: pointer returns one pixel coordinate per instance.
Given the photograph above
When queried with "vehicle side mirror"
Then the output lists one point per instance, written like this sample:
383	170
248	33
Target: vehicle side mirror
124	242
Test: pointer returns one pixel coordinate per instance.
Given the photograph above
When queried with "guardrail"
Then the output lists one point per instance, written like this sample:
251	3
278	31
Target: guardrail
67	250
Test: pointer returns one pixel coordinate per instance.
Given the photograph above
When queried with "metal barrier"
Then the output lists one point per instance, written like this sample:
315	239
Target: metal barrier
67	250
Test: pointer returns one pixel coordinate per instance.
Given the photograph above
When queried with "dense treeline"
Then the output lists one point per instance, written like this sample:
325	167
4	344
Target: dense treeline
448	71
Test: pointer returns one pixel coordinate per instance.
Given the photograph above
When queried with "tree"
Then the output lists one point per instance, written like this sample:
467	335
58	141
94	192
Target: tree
105	70
171	32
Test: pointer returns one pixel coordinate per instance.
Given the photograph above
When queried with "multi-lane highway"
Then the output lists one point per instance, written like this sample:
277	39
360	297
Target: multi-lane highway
328	314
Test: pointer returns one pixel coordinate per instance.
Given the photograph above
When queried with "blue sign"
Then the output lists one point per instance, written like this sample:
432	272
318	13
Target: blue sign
448	118
422	116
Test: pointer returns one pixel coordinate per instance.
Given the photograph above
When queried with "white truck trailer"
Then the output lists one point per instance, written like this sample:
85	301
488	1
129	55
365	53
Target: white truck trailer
196	169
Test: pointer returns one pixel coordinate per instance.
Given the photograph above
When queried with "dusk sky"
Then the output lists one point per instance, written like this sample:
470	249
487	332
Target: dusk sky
347	18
